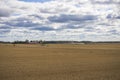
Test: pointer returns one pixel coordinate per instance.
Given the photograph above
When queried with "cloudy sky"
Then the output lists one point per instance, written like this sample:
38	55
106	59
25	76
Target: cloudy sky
78	20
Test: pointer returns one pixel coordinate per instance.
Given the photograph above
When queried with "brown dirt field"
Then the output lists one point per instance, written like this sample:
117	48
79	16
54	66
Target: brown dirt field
60	62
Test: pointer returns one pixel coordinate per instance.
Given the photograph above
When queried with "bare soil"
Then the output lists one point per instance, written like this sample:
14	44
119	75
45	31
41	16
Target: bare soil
60	62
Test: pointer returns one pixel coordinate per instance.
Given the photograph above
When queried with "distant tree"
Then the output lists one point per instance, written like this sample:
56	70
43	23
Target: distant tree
26	41
42	42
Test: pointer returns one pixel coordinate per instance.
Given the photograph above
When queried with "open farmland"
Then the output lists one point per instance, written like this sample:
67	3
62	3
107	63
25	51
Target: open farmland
60	62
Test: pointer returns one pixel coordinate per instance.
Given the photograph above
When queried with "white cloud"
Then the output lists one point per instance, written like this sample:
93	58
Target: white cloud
60	20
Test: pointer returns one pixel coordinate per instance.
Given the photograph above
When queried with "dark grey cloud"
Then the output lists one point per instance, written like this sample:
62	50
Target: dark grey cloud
4	12
24	21
114	32
68	18
89	29
21	22
4	31
71	26
43	28
47	11
67	26
36	16
118	17
110	16
5	27
106	24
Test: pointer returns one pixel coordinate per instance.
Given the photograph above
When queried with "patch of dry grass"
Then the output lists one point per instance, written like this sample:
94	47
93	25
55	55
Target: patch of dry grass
60	62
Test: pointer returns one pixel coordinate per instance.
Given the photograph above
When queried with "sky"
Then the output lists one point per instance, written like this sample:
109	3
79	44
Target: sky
72	20
35	0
